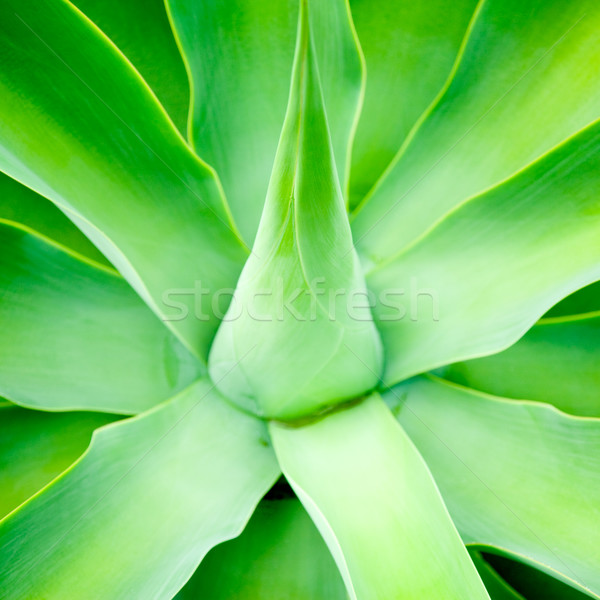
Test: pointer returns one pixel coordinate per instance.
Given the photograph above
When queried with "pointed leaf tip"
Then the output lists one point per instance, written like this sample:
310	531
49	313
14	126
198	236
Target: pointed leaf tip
299	334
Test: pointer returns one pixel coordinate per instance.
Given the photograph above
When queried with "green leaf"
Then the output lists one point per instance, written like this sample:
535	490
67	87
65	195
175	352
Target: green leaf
279	556
526	81
76	336
556	362
497	588
585	300
519	476
115	164
289	345
36	446
409	48
375	503
478	281
240	57
136	514
21	205
531	582
141	30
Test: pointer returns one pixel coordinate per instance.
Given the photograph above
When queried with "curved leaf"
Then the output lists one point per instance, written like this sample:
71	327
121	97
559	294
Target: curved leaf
519	476
279	556
526	81
477	281
21	205
76	336
115	164
136	514
141	30
532	583
370	494
240	57
556	362
290	344
409	49
37	446
585	300
497	588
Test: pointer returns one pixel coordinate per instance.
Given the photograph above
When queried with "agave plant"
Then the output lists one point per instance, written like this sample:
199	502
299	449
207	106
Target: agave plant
298	299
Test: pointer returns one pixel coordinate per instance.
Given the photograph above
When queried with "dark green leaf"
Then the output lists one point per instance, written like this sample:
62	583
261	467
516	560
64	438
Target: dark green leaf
35	447
279	556
141	30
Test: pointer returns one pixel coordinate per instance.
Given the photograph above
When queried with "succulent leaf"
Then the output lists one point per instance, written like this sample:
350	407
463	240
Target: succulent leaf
133	517
77	337
366	488
111	159
291	343
530	492
555	362
485	273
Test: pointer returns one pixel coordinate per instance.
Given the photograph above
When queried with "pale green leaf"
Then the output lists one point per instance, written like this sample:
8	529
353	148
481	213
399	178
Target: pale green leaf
80	127
76	336
478	281
141	30
409	49
36	446
527	80
519	476
557	361
240	56
376	505
289	345
136	514
279	556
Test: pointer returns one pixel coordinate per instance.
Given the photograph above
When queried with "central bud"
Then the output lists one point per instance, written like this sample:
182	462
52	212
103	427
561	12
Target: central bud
299	336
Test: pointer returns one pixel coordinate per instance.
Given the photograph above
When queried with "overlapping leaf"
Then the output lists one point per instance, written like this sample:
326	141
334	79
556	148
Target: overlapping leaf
21	205
519	476
35	447
557	361
497	588
76	336
291	343
585	300
136	514
79	126
240	57
141	30
374	501
409	49
527	80
280	554
475	283
531	582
